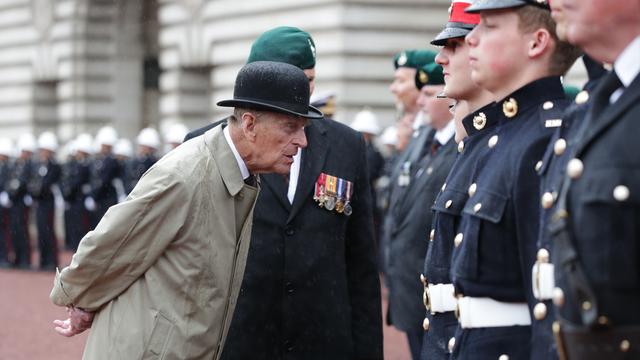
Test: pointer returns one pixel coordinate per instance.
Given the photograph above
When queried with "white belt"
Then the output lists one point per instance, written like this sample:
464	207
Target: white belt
442	298
543	281
474	312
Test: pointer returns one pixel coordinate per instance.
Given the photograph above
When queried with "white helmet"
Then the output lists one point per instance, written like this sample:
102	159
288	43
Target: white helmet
107	135
27	142
6	147
366	122
176	133
123	148
149	137
390	136
84	143
48	141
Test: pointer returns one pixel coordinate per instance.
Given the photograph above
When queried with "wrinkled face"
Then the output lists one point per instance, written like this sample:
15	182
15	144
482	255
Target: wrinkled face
497	49
454	59
311	75
404	88
437	108
277	139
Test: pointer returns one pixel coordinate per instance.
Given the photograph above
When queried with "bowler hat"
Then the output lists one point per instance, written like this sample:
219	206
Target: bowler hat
485	5
273	86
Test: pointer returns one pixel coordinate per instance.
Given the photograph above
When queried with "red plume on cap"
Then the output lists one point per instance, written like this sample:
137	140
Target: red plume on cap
457	14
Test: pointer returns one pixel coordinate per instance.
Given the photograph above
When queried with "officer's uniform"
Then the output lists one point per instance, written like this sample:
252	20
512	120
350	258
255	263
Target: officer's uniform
19	213
552	171
104	170
5	240
595	228
46	174
74	185
134	169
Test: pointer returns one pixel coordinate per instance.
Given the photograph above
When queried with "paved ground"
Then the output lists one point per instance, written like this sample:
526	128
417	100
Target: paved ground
26	316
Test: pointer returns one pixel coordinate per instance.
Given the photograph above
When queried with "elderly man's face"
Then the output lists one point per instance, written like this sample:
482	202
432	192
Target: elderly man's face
278	138
404	87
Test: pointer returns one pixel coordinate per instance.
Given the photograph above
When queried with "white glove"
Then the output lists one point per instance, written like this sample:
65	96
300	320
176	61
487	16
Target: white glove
4	200
27	200
89	203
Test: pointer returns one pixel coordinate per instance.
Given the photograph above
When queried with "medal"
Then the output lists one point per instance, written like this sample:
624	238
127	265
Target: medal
348	192
340	197
319	194
330	197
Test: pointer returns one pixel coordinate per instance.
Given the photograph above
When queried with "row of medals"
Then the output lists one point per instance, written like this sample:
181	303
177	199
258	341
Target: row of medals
331	202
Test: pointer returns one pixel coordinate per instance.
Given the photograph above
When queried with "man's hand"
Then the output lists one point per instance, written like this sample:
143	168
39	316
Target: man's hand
78	321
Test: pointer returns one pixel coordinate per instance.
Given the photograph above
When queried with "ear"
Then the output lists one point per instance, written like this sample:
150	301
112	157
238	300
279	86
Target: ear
248	123
541	42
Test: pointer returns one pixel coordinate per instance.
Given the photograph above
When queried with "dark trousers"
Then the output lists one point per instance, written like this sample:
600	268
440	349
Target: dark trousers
491	343
435	343
101	208
76	223
415	342
5	237
47	243
19	219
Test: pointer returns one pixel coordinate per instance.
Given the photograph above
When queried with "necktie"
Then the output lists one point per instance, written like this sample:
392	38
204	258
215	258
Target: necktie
251	181
435	146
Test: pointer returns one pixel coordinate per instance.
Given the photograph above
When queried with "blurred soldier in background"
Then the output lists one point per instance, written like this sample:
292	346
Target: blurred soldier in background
46	175
75	186
123	152
326	102
174	135
21	199
6	149
104	170
148	144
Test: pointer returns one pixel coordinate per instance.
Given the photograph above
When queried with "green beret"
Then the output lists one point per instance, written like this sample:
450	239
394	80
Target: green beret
571	92
430	74
285	44
414	58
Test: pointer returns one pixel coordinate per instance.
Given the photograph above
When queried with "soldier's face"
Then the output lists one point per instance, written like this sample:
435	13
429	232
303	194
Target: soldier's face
278	137
497	50
454	59
437	108
311	75
558	16
404	88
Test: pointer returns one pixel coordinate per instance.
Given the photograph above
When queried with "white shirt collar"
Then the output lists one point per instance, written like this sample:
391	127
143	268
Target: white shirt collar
445	134
627	65
243	167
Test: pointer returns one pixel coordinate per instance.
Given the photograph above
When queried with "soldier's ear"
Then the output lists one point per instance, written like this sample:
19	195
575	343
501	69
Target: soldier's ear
539	43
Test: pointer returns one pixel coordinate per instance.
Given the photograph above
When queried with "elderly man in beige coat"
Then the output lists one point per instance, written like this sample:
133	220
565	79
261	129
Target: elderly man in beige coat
159	276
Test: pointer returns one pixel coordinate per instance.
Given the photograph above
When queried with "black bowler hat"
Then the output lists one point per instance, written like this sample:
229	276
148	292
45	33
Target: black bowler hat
485	5
273	86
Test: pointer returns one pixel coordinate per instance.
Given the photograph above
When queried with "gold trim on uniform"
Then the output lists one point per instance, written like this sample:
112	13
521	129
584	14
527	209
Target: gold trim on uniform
510	108
479	121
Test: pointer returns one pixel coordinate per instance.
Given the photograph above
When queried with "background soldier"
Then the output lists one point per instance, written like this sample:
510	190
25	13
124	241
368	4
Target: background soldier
46	175
148	144
6	149
104	170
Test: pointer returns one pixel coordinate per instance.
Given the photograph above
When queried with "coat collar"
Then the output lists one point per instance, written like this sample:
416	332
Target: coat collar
225	160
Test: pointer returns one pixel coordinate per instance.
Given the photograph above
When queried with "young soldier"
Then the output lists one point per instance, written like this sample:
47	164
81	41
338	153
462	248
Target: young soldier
477	121
514	54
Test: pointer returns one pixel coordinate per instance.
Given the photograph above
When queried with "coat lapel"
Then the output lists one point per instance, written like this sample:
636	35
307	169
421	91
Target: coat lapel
610	114
313	158
276	184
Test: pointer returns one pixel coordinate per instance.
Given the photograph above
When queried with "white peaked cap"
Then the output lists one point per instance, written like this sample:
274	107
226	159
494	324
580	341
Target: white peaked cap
84	143
6	147
176	133
48	141
149	137
366	122
123	148
27	142
389	136
107	135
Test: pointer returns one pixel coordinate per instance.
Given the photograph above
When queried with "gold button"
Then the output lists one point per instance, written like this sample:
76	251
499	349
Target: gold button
621	193
547	200
586	306
548	105
603	320
504	357
423	279
472	189
625	345
429	170
448	204
477	207
458	239
451	344
575	168
493	141
558	297
461	146
479	121
543	255
539	165
540	311
510	108
425	324
560	146
582	97
555	327
444	186
432	234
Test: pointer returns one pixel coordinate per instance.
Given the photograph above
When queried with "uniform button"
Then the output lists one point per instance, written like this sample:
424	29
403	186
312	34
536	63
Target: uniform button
586	306
432	234
493	141
289	231
575	168
621	193
547	200
444	186
548	105
429	170
558	297
461	146
540	311
625	345
451	344
448	204
423	279
288	345
458	239
477	207
503	357
472	189
539	165
560	146
425	324
582	97
543	255
289	288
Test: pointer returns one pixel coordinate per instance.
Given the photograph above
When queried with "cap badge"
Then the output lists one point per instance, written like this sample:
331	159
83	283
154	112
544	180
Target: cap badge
313	48
510	108
479	121
424	78
402	59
